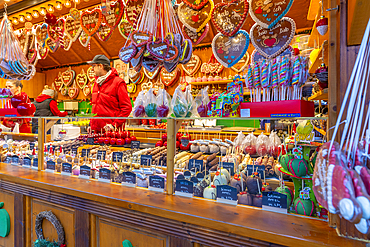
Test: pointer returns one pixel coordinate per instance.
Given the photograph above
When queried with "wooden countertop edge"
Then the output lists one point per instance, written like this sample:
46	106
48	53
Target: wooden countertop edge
257	233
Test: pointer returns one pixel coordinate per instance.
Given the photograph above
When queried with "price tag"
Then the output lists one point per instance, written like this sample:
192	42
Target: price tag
35	164
227	194
184	188
90	141
260	169
129	179
146	160
8	159
15	160
104	175
85	172
156	183
27	162
274	201
50	166
66	169
101	155
228	166
198	164
85	152
135	144
32	145
74	151
117	156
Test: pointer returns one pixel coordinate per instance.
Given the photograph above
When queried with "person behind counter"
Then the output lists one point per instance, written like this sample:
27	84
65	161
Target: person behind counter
15	87
46	106
109	96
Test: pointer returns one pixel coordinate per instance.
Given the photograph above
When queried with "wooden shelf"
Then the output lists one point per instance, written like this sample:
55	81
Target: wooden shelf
322	95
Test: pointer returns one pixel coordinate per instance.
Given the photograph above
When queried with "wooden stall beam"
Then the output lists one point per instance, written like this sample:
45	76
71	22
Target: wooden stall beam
75	53
54	59
20	222
100	47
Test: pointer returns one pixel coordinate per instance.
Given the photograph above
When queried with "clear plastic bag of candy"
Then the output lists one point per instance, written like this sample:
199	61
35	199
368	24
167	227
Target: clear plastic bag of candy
163	103
239	139
179	104
273	144
139	110
150	104
201	103
190	104
262	144
249	144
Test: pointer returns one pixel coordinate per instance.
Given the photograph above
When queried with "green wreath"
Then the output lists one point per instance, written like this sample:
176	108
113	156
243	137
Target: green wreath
41	241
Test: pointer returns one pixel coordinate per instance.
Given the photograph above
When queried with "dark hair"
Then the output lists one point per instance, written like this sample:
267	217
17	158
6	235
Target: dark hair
16	83
106	67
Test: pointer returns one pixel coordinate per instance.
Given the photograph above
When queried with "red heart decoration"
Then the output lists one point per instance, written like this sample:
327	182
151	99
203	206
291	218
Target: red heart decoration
73	92
195	37
169	78
31	55
56	31
133	10
58	82
91	21
51	45
87	90
196	4
229	17
115	16
125	28
104	32
72	28
158	49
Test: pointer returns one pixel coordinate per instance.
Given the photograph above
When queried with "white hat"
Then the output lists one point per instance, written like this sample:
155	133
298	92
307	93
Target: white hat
49	92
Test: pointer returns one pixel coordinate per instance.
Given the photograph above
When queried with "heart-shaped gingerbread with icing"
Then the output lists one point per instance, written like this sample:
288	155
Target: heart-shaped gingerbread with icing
55	32
140	38
229	50
113	18
58	82
151	63
104	32
72	28
272	42
41	33
81	79
185	51
23	39
158	49
127	53
242	64
195	20
84	39
192	66
90	74
132	73
256	56
195	37
73	92
87	90
31	55
67	43
43	51
169	78
197	5
125	28
91	21
151	75
131	88
268	13
68	77
51	45
133	10
228	17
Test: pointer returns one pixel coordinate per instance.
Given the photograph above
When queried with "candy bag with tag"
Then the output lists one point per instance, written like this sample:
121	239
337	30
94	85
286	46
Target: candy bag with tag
139	110
163	103
150	104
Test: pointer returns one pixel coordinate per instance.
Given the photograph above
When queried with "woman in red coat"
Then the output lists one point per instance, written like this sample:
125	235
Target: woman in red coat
109	96
24	123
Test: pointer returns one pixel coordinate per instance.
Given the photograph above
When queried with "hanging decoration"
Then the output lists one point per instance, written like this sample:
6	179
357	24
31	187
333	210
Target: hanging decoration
42	34
81	79
72	28
272	42
48	215
43	51
58	82
268	13
23	39
212	66
104	32
167	78
195	20
131	87
256	56
322	25
51	45
73	91
90	74
196	5
192	66
84	39
91	21
125	28
195	37
68	77
133	10
67	43
240	66
113	18
151	75
57	30
229	17
87	90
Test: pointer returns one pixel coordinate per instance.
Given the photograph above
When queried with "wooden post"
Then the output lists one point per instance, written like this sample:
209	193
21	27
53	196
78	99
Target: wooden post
171	147
41	141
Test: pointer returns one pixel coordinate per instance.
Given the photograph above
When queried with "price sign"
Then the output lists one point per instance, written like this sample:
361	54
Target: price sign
101	155
260	169
50	166
66	169
74	151
35	164
85	172
104	175
135	144
27	162
228	166
90	141
146	160
129	179
85	152
8	159
198	164
32	145
117	156
227	194
15	160
156	183
184	188
274	201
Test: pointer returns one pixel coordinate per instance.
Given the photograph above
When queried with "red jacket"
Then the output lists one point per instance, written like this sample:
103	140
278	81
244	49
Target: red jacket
110	100
53	105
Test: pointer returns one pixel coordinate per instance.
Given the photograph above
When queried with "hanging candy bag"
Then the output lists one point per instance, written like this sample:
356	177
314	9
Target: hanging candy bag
163	103
150	104
139	110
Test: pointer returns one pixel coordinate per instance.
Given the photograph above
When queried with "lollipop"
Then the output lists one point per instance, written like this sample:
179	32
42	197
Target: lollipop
249	81
264	77
256	79
275	77
295	76
283	79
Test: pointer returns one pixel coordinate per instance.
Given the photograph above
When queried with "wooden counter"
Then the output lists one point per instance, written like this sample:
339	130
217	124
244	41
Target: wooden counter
100	214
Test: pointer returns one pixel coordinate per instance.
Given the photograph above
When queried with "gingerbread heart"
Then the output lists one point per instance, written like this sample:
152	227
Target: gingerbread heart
197	5
64	91
215	68
41	33
229	17
127	53
150	63
272	42
72	28
58	82
185	51
90	74
195	20
104	32
169	78
140	38
31	55
23	39
133	10
67	43
43	51
242	64
113	18
132	73
136	61
192	66
195	37
67	77
158	49
51	45
125	28
229	50
56	32
172	54
131	88
256	56
87	90
170	66
91	21
268	13
73	92
81	79
75	13
151	75
84	39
